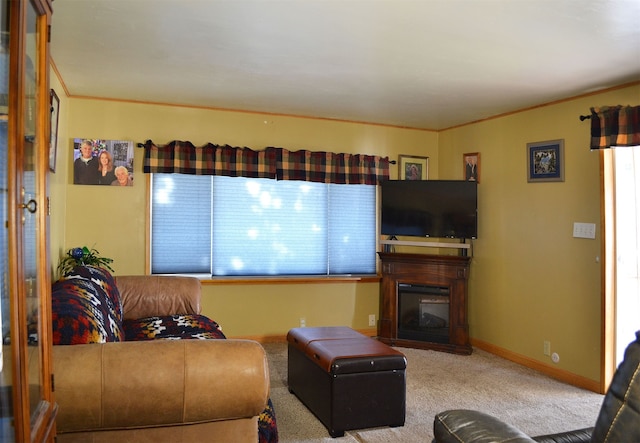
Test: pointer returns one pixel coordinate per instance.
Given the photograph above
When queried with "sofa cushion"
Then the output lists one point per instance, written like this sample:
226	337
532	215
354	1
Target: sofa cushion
86	308
180	326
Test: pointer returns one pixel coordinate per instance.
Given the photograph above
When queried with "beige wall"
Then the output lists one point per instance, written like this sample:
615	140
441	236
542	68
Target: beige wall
530	280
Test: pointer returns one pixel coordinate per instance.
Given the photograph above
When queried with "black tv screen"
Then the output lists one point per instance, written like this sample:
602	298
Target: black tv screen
430	208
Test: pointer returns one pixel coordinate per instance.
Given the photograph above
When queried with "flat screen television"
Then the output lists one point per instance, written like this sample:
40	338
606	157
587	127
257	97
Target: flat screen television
430	208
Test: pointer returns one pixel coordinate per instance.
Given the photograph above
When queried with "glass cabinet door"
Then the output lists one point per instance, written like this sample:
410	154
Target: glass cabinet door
7	432
26	407
30	212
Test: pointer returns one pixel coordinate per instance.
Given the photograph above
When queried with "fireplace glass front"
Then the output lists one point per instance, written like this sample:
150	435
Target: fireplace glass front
423	313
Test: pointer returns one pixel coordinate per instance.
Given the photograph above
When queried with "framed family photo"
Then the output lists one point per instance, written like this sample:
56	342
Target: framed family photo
102	162
471	165
545	161
411	167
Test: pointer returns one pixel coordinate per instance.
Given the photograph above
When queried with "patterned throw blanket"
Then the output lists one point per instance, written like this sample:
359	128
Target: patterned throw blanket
86	308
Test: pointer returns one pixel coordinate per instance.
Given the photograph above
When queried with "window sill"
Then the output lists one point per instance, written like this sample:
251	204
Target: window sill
306	279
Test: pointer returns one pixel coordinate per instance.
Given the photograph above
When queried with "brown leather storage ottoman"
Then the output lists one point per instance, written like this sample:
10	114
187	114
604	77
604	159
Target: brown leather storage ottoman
349	381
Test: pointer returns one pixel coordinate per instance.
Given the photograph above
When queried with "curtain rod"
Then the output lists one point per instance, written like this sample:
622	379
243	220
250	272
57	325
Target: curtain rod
584	117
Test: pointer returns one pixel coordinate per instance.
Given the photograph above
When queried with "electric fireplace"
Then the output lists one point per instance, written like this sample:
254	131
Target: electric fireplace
423	301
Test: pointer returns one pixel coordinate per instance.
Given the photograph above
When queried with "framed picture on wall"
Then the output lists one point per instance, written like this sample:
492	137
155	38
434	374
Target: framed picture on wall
471	165
545	161
53	140
102	162
411	167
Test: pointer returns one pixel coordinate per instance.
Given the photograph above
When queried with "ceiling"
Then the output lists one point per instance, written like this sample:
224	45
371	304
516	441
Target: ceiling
429	64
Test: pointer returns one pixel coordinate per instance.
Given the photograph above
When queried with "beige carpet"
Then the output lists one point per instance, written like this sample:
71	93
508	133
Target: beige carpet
437	381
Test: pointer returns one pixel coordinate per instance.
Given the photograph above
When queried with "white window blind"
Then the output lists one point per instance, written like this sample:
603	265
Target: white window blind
352	247
181	224
231	226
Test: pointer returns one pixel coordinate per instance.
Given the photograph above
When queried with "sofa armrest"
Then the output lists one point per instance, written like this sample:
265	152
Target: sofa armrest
158	383
462	426
154	295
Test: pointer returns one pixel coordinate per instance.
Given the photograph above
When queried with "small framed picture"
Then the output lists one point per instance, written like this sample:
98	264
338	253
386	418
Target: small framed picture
411	167
471	165
53	140
545	161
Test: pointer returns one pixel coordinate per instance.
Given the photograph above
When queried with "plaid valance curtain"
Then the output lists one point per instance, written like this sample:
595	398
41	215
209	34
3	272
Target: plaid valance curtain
328	167
615	126
184	158
276	163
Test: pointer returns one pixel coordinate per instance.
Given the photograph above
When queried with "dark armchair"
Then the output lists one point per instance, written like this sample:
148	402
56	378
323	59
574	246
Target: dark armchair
617	422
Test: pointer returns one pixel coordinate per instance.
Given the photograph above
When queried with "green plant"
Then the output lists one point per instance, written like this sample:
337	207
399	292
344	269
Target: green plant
82	257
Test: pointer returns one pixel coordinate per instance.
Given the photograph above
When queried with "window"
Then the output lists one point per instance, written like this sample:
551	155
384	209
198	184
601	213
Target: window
232	226
622	185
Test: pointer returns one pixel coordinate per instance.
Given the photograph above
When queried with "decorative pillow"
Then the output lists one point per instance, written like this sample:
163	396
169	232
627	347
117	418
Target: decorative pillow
86	308
174	327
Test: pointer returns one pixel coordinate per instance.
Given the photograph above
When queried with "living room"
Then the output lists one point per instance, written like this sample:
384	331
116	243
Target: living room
531	281
536	292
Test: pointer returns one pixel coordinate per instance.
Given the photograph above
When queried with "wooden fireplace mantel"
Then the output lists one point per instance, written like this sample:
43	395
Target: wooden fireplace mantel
443	271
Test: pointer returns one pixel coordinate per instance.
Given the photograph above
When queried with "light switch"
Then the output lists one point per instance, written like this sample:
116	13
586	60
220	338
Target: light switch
584	230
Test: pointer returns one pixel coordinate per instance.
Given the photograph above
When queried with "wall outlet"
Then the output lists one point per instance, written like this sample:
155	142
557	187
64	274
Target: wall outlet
547	347
372	319
555	357
303	322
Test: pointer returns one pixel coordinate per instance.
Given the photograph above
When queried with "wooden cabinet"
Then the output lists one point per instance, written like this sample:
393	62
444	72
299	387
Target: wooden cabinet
423	302
27	407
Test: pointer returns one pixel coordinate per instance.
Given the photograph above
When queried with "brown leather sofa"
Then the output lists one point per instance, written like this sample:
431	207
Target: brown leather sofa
160	390
617	422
